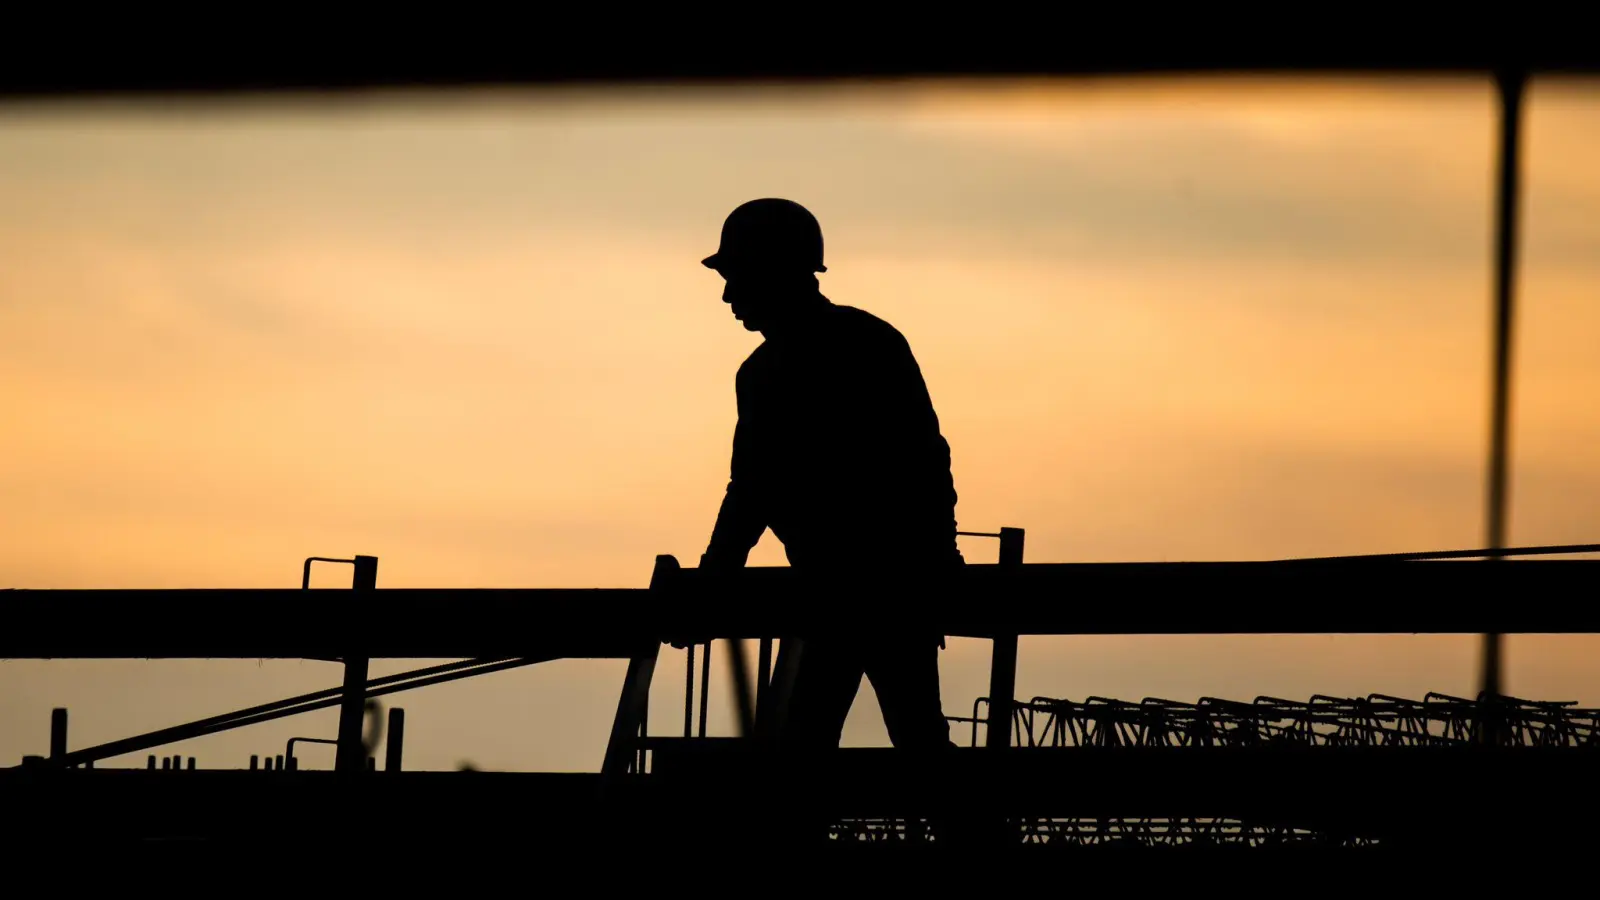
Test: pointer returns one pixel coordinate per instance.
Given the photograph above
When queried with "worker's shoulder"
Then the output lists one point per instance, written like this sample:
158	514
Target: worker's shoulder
860	324
758	360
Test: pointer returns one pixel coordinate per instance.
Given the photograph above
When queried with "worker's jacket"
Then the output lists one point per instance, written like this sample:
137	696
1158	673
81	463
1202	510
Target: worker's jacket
838	451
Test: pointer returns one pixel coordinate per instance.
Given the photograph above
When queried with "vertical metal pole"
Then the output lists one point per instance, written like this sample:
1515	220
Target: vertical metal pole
394	745
705	687
688	693
763	675
1510	83
1003	664
644	732
351	755
738	670
1011	541
775	714
58	733
623	751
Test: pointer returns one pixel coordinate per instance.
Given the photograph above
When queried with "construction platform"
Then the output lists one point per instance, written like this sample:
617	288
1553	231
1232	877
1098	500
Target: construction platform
1091	776
1365	778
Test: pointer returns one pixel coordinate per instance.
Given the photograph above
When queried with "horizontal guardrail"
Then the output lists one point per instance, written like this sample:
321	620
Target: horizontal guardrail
1372	596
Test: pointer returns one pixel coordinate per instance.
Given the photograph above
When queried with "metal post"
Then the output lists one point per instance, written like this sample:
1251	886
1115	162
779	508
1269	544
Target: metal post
644	732
632	705
1003	664
763	675
58	733
352	754
394	744
620	756
705	687
738	671
774	716
688	693
1510	83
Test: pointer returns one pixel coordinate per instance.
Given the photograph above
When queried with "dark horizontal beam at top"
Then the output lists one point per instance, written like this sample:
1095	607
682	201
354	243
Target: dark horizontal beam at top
1095	43
1380	597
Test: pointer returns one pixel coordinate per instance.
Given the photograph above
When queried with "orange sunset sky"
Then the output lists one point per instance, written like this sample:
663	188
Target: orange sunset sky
469	334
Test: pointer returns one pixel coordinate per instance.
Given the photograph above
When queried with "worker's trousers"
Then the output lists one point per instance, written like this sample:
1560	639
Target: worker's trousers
904	672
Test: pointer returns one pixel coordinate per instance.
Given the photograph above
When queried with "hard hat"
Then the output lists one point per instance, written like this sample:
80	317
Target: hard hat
770	234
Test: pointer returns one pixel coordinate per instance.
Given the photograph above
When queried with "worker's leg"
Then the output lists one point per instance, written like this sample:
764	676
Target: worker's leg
826	680
905	675
825	685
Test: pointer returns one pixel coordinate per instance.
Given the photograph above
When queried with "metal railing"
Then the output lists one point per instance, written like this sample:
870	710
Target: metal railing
1378	594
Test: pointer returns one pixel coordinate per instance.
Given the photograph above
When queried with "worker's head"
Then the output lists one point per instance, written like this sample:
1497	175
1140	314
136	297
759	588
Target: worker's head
770	253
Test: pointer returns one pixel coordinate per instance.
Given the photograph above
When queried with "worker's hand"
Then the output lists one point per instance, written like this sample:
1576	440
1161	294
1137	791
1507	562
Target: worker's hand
680	641
712	563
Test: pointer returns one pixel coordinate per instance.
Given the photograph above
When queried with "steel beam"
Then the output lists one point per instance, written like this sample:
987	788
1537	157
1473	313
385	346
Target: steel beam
979	601
1107	43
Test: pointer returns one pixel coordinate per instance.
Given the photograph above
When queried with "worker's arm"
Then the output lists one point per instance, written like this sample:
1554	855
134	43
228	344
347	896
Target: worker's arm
742	518
739	521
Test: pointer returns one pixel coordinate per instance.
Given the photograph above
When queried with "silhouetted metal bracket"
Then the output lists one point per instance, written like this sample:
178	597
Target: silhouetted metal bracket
289	760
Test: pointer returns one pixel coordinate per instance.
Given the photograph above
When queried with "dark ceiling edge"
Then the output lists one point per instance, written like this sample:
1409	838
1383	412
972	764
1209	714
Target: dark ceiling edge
202	80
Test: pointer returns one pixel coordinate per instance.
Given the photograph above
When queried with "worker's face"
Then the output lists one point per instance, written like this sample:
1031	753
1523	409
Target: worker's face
755	297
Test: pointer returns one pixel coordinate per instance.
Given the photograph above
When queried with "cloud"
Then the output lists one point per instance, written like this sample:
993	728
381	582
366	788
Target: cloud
1376	176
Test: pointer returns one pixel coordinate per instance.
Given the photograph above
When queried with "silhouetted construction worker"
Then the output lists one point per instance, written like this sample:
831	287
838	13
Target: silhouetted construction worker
838	451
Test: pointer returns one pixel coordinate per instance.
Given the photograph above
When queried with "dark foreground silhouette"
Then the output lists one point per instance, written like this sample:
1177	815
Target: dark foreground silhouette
838	451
